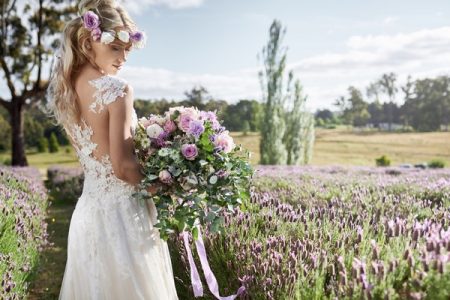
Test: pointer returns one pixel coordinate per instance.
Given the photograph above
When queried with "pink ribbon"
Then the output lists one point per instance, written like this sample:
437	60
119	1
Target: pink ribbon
210	278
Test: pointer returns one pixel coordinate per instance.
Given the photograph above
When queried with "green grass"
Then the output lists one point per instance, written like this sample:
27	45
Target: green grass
42	161
48	279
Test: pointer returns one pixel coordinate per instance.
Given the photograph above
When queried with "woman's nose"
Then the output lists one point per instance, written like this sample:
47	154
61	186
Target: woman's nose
124	56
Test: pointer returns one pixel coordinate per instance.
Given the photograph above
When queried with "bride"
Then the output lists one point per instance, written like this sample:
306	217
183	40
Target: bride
113	252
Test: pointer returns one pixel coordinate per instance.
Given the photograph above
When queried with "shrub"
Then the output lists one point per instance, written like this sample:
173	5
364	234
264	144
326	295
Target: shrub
53	145
23	231
436	164
65	184
383	161
42	145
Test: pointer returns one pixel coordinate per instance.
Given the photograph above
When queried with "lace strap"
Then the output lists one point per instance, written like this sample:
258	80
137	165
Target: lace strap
108	89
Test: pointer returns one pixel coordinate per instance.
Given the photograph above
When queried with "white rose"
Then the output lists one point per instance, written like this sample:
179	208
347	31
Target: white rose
154	130
124	36
107	37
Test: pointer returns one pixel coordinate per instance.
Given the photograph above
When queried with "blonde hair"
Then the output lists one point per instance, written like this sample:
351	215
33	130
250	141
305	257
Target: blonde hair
73	54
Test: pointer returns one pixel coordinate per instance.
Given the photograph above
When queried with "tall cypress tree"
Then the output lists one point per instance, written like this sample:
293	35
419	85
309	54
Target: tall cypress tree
287	130
273	126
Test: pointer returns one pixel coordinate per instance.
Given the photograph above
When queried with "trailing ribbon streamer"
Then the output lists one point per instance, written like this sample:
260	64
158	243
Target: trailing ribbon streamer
195	277
210	278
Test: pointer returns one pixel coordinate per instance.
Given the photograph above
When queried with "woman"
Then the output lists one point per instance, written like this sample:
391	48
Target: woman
113	250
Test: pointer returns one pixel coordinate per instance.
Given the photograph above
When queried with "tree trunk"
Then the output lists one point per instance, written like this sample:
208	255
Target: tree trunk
18	142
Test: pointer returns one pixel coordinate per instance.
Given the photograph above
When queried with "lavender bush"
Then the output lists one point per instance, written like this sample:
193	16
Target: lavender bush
65	183
335	233
23	231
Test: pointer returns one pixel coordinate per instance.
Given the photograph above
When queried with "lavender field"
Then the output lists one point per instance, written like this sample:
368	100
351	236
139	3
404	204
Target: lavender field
23	230
335	233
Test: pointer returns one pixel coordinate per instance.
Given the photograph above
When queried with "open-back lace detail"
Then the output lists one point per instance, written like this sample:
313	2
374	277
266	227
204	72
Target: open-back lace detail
108	88
99	170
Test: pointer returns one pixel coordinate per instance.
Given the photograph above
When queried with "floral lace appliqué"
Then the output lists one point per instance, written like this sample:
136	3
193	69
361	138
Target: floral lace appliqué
108	88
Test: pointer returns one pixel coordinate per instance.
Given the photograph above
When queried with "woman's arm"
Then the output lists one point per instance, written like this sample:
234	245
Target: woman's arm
121	146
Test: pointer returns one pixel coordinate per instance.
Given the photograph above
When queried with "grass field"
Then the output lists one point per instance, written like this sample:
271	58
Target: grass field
343	147
332	147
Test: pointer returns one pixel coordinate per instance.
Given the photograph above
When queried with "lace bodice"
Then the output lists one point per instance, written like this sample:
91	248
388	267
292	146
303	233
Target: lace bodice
99	174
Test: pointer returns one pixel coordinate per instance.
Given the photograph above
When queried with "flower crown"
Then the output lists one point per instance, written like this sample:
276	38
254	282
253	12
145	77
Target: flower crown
92	23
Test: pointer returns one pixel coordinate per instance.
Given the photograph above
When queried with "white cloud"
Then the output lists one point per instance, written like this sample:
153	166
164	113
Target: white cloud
157	83
324	76
390	20
138	6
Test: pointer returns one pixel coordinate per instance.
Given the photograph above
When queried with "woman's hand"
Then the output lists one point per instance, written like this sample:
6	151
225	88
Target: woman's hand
154	188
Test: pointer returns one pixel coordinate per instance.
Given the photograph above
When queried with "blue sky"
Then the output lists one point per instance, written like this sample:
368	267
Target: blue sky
331	45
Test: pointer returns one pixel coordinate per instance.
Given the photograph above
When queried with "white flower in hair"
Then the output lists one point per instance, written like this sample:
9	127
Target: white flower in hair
124	36
107	37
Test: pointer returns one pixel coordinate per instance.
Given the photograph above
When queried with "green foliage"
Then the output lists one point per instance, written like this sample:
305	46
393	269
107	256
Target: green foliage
34	132
287	131
53	145
383	161
436	163
42	145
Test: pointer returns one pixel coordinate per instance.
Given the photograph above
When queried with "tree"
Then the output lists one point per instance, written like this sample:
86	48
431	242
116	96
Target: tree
324	114
388	87
429	105
358	107
286	126
27	40
273	127
197	96
53	145
300	124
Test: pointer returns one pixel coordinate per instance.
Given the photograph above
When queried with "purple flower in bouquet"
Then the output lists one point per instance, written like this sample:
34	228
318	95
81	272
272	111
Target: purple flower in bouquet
196	128
165	177
91	20
189	151
212	117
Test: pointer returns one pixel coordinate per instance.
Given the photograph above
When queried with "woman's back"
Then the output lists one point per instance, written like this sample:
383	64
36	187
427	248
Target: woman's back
92	135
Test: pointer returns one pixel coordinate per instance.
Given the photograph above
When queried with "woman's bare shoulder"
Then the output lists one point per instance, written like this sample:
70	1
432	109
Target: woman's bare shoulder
83	88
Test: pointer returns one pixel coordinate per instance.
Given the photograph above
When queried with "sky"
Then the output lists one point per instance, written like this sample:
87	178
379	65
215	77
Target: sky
331	45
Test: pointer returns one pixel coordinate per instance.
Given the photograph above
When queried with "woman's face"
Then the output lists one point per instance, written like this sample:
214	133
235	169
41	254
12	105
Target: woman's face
110	57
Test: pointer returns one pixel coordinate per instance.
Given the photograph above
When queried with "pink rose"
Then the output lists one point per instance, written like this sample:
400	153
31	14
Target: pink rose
165	177
187	115
224	141
170	126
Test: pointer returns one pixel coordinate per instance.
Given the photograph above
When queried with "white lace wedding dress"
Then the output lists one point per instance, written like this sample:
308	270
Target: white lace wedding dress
113	250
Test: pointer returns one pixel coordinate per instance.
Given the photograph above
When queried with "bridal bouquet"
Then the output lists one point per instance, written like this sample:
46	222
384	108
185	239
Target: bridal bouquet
203	172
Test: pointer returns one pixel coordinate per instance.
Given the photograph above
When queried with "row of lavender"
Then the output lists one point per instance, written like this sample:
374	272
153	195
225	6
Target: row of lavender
335	233
23	230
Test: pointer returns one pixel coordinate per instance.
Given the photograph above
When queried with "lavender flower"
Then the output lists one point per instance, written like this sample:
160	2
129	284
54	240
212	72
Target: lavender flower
196	128
91	20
